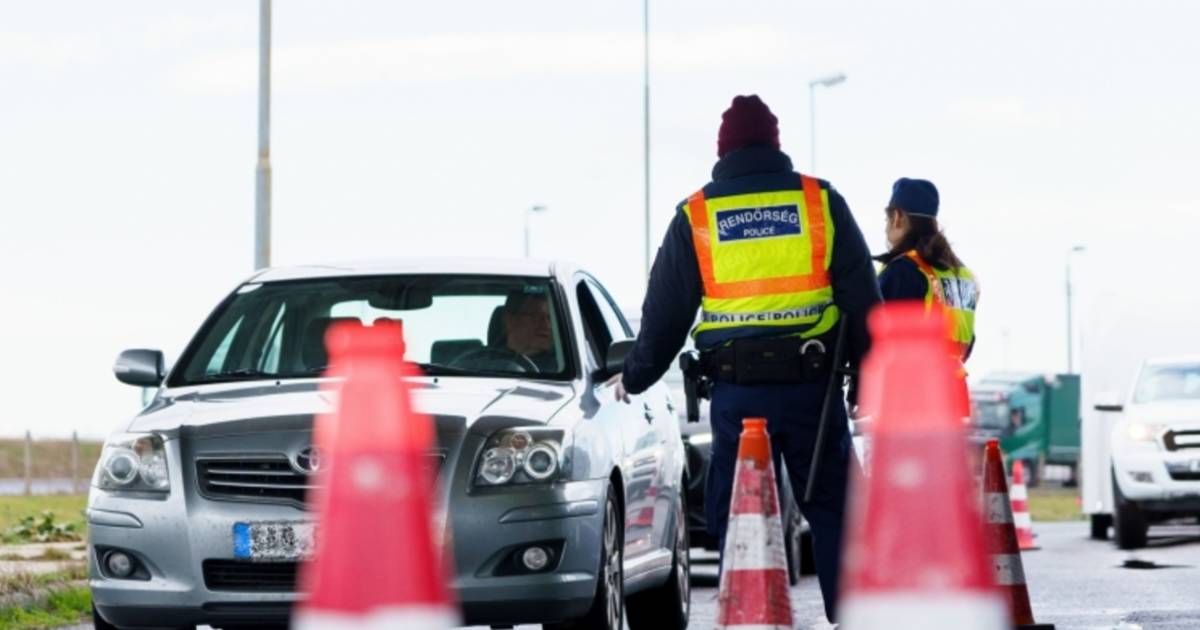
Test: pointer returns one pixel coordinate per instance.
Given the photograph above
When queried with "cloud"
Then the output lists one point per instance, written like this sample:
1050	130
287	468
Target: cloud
459	56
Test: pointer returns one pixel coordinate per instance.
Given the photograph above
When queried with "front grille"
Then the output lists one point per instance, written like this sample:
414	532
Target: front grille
1179	440
257	577
266	477
1185	475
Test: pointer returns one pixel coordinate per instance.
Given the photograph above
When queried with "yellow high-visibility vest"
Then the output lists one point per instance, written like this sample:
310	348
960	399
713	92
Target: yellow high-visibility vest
957	292
764	259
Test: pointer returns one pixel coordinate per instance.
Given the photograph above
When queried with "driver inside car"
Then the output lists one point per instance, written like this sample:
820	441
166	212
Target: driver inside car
529	332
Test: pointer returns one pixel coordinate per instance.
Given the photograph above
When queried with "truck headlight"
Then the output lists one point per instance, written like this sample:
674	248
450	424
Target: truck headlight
134	463
520	456
1143	431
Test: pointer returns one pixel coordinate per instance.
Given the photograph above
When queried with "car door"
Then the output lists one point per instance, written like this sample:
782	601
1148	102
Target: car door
644	514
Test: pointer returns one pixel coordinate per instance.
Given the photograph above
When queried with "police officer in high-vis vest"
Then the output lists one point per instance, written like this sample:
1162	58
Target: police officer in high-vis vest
921	265
774	262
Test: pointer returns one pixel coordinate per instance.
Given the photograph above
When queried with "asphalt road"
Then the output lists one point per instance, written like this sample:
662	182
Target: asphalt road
1074	582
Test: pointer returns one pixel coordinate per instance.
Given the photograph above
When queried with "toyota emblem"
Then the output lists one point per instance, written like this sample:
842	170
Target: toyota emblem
307	461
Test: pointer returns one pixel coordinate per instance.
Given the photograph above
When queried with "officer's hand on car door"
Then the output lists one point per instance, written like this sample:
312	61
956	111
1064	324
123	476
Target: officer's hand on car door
620	393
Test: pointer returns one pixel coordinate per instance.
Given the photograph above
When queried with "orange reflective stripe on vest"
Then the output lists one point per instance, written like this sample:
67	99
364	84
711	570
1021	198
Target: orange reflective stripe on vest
817	279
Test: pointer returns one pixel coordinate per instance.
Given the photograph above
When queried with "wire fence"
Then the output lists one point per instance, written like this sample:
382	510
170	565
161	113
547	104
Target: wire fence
46	465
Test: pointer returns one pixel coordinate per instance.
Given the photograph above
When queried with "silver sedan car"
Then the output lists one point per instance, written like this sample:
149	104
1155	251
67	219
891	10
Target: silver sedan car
564	506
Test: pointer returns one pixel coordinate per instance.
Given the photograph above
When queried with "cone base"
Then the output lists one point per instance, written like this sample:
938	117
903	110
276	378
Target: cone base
1036	626
377	619
923	610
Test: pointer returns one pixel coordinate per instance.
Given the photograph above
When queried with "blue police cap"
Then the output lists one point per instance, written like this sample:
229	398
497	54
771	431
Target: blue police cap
915	196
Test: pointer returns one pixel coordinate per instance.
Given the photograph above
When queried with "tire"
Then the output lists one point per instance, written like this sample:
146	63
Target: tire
669	606
793	542
1032	473
608	607
1129	522
1100	525
99	623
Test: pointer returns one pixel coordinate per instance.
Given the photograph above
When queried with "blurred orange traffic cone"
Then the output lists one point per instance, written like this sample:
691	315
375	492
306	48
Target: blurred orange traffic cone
1002	539
915	553
361	576
754	581
1020	508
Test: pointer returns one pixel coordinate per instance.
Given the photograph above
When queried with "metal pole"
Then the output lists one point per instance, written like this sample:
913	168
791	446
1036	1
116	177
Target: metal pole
646	127
74	462
262	179
526	248
28	463
1070	350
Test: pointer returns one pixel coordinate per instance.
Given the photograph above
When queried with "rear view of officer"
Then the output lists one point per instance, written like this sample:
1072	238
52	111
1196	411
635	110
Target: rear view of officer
774	260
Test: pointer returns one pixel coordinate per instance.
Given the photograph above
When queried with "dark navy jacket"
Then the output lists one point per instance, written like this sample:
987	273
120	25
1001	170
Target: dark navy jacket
901	279
675	289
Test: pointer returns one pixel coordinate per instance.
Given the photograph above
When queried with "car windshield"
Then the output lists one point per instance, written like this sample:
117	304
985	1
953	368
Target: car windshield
1168	382
453	325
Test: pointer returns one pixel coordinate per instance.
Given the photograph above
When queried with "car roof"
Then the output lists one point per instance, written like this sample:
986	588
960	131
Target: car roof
466	266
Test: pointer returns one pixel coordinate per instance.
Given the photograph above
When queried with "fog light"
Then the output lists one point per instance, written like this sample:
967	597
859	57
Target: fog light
1141	476
535	558
119	564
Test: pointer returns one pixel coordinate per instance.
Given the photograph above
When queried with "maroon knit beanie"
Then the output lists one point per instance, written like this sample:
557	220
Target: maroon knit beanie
747	121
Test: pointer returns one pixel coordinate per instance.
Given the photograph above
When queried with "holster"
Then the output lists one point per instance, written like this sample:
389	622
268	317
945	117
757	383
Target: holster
770	361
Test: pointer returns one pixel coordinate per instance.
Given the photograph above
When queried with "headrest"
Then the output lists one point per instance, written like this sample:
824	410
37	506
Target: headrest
497	335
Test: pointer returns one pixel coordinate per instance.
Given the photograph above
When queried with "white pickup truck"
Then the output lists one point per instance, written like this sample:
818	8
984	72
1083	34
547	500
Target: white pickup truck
1153	449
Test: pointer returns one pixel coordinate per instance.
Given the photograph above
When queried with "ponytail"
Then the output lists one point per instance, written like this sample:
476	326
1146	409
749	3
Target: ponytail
926	238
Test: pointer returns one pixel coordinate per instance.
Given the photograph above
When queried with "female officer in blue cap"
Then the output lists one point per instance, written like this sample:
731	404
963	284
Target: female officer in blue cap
921	265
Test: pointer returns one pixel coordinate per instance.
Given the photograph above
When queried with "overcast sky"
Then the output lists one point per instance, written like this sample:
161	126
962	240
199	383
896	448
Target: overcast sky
127	152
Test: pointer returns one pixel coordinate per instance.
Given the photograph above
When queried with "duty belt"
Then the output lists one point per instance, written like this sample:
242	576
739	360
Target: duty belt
768	361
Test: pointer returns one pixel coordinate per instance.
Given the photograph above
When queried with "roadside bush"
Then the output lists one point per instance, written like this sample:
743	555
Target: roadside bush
41	529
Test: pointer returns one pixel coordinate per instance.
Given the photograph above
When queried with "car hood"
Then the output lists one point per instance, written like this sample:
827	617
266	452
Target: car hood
468	399
1176	413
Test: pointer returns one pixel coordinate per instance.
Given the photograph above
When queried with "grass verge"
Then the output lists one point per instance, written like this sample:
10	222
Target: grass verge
1054	504
62	607
66	509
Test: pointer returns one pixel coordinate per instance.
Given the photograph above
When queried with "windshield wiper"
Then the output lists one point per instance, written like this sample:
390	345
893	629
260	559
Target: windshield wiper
437	369
238	374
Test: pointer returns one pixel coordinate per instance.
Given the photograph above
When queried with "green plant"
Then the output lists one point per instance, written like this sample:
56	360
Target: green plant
40	529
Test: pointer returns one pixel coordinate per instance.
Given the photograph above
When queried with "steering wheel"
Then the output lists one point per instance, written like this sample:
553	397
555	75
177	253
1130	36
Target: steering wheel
493	358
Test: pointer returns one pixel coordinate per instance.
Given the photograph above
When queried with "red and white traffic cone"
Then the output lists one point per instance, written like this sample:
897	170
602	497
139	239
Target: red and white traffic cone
1020	508
754	581
1008	569
363	577
914	554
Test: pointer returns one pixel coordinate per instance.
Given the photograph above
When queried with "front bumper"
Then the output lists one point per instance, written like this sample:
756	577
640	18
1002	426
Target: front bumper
172	538
1162	481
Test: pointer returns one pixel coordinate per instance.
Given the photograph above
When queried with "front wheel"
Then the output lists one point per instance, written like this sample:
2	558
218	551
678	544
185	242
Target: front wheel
668	606
1129	522
608	606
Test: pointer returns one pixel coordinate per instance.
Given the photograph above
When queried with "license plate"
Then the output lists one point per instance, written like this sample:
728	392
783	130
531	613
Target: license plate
273	541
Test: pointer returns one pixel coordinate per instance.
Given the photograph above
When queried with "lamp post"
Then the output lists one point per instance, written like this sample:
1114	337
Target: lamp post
826	81
528	213
1070	319
262	172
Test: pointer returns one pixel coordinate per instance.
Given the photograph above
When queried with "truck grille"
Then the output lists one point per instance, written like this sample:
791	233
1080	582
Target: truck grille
265	478
257	577
1179	440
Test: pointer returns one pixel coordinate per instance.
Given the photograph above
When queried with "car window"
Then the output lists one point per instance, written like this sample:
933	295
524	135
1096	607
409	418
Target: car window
1168	382
595	331
617	327
452	325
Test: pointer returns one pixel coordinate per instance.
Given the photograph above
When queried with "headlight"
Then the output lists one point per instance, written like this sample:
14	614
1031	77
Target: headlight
1143	432
520	456
134	463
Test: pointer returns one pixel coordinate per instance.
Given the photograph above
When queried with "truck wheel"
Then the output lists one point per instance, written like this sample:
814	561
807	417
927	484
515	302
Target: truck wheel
1129	522
1100	525
1032	473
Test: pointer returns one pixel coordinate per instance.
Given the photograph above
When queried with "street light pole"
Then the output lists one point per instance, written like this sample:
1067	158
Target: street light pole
528	212
262	174
1070	318
826	81
646	129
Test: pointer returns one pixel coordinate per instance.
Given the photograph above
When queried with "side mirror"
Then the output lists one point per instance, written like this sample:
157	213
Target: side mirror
1109	401
144	368
614	359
